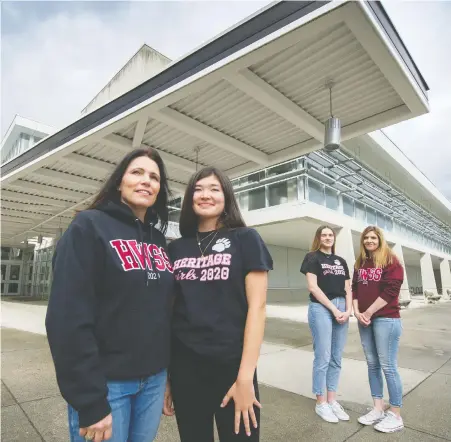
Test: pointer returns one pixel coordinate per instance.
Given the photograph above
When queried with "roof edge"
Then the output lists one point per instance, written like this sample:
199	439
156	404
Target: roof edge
255	28
381	15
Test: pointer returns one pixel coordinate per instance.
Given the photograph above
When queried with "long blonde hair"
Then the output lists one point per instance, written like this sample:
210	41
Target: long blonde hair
382	256
316	245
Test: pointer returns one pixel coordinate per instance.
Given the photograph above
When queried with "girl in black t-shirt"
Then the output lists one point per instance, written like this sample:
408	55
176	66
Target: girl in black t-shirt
329	310
221	272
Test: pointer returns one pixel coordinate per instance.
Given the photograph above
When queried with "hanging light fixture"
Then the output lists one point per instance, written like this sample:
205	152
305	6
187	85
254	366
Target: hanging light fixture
332	128
197	150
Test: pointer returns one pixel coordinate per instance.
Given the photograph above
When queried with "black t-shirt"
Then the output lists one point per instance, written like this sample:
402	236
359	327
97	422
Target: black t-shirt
331	272
210	305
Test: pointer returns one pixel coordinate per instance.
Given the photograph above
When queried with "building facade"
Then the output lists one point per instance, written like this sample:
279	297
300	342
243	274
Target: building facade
288	201
21	136
252	101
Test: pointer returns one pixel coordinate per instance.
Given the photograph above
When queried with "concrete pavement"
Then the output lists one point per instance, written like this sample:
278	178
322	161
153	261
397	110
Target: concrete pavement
32	409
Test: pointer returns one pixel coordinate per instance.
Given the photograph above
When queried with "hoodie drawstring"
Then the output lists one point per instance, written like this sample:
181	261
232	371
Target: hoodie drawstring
151	241
145	253
143	249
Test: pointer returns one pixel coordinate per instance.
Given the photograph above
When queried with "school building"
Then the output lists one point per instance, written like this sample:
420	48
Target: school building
255	101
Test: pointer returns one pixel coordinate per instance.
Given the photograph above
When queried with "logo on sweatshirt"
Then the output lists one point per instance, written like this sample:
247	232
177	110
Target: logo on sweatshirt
141	256
337	262
370	274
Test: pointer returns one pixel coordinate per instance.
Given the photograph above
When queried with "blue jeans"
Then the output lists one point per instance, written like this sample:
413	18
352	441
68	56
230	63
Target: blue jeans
329	339
380	341
136	407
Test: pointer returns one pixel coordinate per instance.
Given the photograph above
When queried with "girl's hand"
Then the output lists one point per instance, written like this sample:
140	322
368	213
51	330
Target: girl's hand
344	318
243	394
168	407
362	319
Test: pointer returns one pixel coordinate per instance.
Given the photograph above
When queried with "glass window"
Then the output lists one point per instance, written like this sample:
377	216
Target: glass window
331	198
253	178
174	215
381	220
389	223
278	193
370	215
3	272
281	168
257	199
316	192
3	288
360	213
5	253
348	206
301	188
13	288
243	200
17	254
14	272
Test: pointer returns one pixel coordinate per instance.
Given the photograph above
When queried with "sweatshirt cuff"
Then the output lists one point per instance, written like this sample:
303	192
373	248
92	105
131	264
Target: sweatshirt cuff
94	413
387	297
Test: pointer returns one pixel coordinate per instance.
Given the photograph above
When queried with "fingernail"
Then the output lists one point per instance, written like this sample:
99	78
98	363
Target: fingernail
248	434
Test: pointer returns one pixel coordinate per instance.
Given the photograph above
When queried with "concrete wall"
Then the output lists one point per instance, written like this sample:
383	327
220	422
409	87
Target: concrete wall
287	264
286	283
146	63
414	276
438	278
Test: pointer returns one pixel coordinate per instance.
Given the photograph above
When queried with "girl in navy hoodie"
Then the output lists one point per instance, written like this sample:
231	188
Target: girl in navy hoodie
377	281
108	319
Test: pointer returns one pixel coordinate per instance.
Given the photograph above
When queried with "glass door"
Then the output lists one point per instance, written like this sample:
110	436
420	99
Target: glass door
11	276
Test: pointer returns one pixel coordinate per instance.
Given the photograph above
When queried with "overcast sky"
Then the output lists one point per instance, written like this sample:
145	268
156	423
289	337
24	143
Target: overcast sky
56	56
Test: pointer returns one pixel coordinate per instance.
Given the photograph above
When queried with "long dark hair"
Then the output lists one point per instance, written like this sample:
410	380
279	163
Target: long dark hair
110	192
316	245
231	217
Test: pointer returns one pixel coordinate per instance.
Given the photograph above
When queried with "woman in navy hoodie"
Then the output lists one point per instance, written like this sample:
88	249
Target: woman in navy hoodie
108	319
377	281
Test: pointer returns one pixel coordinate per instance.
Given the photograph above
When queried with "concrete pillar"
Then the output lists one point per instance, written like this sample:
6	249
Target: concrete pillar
405	293
427	274
344	247
445	274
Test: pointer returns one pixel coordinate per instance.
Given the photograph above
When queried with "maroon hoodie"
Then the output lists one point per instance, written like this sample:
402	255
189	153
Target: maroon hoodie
370	282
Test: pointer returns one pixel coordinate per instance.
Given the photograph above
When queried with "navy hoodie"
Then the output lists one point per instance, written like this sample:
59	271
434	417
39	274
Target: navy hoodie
108	316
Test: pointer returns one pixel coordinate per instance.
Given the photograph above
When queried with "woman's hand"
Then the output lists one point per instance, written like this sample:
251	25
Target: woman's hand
243	394
344	318
362	319
168	407
338	315
102	430
366	317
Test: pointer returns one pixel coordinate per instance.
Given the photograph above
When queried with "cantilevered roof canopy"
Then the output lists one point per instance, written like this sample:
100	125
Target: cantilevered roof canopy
252	97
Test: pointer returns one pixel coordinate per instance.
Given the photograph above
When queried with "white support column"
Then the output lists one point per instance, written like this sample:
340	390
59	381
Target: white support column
445	274
427	274
344	247
405	293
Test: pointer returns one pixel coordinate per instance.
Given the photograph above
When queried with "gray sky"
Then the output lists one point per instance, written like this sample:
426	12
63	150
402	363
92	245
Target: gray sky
56	56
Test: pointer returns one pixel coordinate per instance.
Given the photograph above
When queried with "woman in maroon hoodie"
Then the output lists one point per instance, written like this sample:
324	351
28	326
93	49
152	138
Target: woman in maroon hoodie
377	281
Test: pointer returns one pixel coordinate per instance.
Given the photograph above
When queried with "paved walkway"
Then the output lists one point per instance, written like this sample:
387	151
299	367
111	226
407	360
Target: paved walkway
32	409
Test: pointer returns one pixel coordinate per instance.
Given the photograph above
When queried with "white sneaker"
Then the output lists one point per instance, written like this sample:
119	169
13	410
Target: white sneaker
339	411
390	423
324	411
371	418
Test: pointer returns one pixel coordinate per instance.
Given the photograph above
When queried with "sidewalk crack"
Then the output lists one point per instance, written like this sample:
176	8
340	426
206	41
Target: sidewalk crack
24	412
